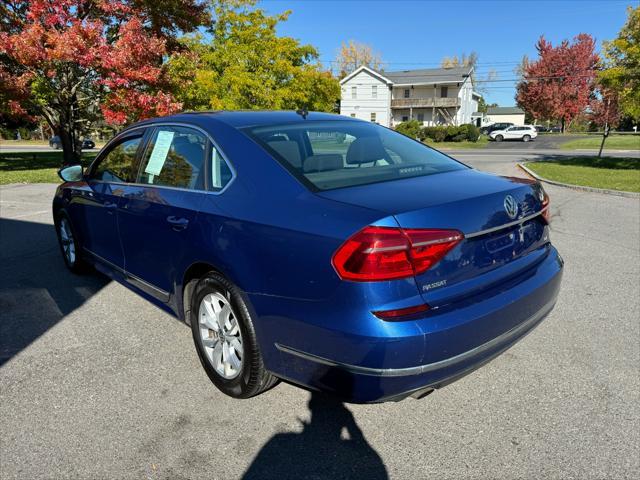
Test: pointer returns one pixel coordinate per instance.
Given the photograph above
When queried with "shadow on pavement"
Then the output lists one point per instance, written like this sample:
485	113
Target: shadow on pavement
36	289
331	446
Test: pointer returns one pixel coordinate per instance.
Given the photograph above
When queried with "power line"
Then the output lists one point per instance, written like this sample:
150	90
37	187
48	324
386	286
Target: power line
525	78
435	64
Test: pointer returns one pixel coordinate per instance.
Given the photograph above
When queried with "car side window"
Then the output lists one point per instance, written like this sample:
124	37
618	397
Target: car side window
118	163
175	157
220	172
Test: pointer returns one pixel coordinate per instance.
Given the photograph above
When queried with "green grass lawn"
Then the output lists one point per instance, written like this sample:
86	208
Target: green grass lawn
33	167
481	143
606	172
12	143
614	142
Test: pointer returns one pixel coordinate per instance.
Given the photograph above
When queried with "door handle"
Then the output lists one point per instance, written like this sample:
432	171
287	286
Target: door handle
177	224
111	207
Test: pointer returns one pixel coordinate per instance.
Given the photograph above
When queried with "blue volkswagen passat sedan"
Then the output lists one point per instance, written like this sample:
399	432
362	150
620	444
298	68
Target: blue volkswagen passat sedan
323	250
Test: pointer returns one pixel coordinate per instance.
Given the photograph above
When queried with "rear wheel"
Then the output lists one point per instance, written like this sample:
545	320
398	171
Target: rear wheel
526	138
499	138
225	339
69	245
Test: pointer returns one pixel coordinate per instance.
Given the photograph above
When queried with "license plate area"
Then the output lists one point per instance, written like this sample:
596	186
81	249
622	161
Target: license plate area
500	242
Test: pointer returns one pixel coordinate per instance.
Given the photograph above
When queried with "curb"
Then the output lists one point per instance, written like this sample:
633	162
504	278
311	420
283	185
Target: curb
619	193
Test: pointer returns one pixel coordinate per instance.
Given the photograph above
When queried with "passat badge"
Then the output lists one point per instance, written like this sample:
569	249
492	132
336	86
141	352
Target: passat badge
511	206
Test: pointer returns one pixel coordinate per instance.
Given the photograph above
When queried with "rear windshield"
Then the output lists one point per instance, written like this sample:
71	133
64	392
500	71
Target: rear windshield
335	154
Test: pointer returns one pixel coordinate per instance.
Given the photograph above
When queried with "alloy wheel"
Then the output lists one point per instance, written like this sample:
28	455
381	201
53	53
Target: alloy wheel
220	335
67	241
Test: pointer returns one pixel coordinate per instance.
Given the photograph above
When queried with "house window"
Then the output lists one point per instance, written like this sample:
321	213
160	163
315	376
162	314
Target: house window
421	117
353	115
374	91
354	92
444	91
405	118
373	116
407	93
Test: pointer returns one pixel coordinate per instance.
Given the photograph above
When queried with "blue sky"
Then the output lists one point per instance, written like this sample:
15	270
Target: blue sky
417	34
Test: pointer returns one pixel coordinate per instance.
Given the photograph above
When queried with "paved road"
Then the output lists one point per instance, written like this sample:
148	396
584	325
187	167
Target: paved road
9	148
547	141
96	383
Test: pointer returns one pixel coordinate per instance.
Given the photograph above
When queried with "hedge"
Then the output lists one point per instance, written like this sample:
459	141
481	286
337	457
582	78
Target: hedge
449	133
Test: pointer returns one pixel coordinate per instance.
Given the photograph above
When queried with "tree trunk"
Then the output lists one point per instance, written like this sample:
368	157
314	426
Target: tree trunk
604	137
70	150
562	125
605	134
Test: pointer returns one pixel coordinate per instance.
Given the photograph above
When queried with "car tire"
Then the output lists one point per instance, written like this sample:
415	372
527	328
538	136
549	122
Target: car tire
499	138
225	339
526	138
70	245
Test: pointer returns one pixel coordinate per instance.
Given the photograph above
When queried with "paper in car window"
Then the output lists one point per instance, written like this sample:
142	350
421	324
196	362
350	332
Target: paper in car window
159	153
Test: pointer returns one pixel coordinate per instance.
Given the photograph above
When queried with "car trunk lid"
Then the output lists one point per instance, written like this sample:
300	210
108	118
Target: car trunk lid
499	217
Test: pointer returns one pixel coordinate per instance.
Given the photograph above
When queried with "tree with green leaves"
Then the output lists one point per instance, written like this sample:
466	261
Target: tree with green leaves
244	64
622	65
483	106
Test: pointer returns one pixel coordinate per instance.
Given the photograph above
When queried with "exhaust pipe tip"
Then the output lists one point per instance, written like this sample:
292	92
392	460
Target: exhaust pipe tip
419	394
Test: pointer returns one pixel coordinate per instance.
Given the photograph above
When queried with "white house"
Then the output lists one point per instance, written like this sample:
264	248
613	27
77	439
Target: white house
435	96
514	115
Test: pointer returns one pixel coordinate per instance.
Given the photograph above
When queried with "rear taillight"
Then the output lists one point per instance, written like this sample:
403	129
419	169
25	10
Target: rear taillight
387	253
546	210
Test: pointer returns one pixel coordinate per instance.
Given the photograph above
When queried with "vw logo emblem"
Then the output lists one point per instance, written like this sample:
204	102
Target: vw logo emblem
511	206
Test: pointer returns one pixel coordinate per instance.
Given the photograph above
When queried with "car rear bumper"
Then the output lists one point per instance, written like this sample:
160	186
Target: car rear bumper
414	357
394	384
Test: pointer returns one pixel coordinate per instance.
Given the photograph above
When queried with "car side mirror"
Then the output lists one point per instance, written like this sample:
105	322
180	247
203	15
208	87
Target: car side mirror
72	173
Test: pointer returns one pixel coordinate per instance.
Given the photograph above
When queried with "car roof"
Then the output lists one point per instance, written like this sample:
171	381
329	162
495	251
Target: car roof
245	118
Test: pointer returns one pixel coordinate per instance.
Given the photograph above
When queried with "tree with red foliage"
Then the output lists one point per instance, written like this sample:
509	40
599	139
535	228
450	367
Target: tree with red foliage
604	108
560	84
71	60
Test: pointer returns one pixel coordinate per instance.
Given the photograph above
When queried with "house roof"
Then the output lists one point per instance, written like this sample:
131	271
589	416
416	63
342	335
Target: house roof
417	77
429	75
373	72
504	111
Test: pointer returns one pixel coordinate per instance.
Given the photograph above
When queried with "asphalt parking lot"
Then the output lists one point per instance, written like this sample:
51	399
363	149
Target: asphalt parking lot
96	383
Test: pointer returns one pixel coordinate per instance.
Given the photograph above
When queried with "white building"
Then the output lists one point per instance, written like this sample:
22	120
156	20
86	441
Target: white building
435	96
513	115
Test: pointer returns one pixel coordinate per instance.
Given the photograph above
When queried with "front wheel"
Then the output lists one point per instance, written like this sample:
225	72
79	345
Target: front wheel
499	138
526	138
225	339
69	245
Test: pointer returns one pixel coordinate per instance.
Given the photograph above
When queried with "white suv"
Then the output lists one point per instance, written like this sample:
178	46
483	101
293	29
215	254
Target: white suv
516	132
